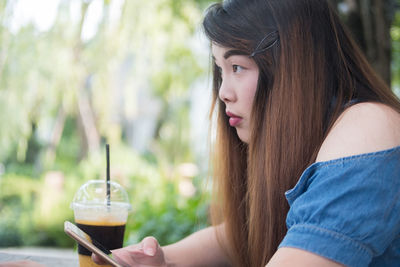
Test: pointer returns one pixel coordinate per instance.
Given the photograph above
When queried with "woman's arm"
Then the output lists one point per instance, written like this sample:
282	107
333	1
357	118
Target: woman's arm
199	249
287	257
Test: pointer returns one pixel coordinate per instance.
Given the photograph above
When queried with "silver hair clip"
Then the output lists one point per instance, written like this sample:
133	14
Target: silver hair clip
266	43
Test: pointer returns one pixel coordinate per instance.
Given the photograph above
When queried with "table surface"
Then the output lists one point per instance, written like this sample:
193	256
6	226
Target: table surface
47	257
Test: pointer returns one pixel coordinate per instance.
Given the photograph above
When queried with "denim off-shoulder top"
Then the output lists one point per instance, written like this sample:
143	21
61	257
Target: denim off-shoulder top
348	210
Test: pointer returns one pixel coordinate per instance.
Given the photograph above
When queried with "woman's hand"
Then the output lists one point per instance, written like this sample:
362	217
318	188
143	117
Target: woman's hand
146	253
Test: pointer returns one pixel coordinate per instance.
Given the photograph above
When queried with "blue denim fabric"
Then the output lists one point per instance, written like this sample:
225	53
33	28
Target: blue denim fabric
348	210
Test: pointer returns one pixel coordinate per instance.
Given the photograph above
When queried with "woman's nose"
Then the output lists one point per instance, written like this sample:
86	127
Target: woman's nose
226	92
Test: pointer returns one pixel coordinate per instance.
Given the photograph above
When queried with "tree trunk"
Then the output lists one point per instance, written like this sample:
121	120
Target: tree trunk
56	135
383	53
89	136
370	22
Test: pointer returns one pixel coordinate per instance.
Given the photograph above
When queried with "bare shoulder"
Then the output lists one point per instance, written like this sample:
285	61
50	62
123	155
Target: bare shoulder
362	128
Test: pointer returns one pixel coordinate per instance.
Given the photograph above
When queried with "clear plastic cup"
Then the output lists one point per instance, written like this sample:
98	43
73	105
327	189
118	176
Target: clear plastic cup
103	218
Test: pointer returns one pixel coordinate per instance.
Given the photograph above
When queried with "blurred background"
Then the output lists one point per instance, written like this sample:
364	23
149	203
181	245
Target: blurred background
77	74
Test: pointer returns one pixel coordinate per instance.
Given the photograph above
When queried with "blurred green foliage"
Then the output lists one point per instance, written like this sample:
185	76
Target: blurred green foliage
395	34
65	92
32	210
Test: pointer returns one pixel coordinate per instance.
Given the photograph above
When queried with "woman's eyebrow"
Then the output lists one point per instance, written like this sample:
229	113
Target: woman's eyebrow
234	52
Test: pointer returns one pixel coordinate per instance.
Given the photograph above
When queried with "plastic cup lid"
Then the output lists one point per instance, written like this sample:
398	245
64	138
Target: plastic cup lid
94	194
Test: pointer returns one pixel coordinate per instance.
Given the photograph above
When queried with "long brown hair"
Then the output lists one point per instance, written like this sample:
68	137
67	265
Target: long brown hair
306	78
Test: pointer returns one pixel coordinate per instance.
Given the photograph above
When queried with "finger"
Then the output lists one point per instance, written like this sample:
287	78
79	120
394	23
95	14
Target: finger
135	255
136	248
124	257
150	246
97	259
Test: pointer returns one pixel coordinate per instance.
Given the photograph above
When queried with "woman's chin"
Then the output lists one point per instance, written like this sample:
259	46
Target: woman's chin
243	135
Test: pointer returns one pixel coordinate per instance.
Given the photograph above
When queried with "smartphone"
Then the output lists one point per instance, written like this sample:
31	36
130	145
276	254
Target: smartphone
85	240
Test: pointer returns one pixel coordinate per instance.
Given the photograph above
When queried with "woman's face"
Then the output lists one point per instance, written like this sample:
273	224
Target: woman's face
239	75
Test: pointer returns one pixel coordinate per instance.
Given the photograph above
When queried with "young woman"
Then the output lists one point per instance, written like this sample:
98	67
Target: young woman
307	154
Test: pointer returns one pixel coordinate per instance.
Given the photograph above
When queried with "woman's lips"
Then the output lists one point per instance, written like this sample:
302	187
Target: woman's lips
233	119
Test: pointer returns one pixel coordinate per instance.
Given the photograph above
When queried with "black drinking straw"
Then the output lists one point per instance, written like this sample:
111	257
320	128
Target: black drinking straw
108	174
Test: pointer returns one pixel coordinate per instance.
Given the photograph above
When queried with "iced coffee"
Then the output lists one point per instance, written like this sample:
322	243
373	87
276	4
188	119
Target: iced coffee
102	217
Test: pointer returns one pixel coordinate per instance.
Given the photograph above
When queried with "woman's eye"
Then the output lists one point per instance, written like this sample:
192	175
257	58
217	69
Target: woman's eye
237	68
